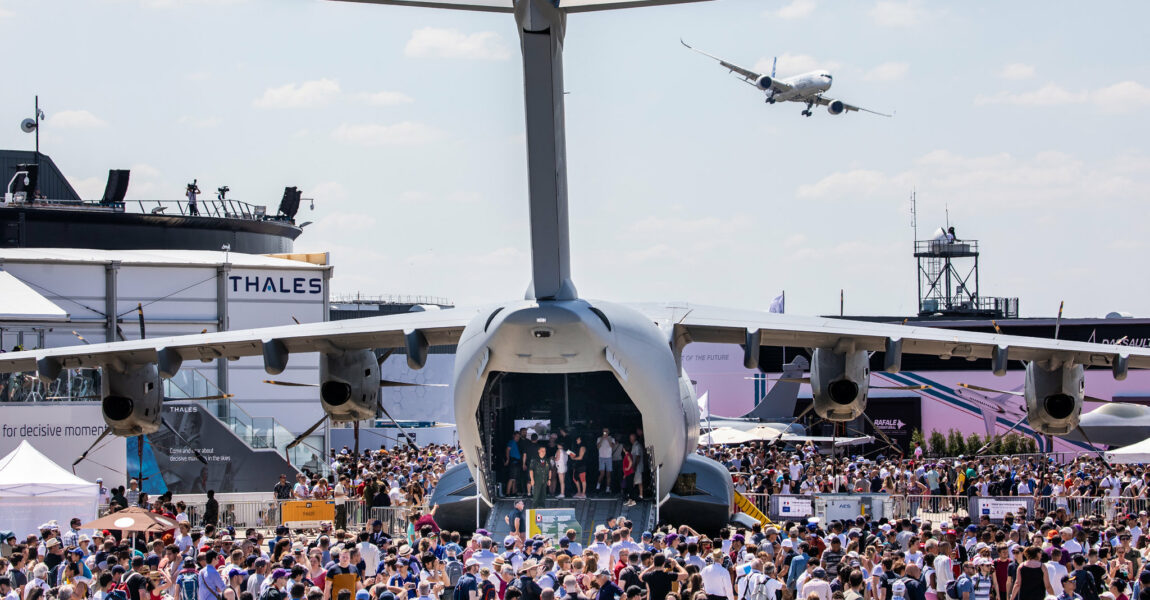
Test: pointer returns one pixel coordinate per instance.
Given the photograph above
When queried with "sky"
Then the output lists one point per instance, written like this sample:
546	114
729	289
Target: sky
1024	123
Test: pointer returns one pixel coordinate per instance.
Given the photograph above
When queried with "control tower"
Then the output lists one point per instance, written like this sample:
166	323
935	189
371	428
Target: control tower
948	281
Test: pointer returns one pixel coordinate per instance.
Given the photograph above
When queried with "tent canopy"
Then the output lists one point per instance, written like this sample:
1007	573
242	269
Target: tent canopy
25	472
18	302
1134	453
34	490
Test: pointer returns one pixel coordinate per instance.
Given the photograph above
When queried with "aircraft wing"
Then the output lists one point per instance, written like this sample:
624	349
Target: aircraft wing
748	75
823	101
733	326
439	327
508	6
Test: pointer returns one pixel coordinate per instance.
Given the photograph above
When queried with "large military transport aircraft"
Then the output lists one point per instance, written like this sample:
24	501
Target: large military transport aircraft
626	358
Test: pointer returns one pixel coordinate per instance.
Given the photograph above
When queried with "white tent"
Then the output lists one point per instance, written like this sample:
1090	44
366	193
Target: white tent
35	490
1134	453
18	302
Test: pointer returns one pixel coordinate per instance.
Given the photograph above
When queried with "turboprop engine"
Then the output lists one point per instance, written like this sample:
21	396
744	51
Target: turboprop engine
131	399
349	385
836	107
1054	397
839	383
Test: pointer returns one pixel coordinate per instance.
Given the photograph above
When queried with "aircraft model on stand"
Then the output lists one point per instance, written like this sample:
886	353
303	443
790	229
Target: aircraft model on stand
628	353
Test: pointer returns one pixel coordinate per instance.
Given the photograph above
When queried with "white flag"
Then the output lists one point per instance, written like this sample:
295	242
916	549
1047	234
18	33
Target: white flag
704	405
779	304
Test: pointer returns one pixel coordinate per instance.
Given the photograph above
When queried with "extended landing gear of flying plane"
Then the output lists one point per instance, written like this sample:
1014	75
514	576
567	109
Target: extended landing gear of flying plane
807	112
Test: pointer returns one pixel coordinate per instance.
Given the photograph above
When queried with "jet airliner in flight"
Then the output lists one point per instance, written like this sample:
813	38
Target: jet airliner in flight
807	88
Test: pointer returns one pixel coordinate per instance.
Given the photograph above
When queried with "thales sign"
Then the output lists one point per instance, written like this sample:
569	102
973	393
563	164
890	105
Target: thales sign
276	284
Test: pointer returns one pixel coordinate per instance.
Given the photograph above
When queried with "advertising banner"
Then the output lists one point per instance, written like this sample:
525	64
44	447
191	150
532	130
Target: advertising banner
62	431
306	514
996	508
232	465
552	522
791	507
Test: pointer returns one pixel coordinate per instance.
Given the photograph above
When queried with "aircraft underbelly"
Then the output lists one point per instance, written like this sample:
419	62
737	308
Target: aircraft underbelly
555	337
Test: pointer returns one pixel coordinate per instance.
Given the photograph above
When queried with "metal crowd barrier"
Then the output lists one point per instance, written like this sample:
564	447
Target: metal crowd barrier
941	509
263	514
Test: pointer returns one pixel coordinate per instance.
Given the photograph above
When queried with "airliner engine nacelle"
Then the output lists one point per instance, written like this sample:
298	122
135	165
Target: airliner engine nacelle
349	385
1054	397
836	107
131	399
763	82
839	382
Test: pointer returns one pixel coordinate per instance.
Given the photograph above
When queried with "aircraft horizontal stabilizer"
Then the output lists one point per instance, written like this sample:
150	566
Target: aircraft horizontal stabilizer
507	6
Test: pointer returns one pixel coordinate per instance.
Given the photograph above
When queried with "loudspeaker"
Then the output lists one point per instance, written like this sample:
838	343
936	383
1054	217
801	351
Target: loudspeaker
117	186
289	206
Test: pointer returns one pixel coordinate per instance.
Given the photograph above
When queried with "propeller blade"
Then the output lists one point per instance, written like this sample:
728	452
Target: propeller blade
882	434
406	435
184	441
979	388
290	383
99	439
787	379
80	337
390	383
295	319
1096	400
382	357
140	314
355	432
1010	429
71	397
798	418
1101	455
900	387
299	440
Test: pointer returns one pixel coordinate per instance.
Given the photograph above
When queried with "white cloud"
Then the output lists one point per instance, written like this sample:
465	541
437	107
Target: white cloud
891	13
90	188
1017	71
793	64
891	71
384	98
328	192
1125	96
797	9
308	94
433	42
199	122
1050	180
373	134
75	119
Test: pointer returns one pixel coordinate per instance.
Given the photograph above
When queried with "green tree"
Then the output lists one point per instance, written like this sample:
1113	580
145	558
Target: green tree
955	444
973	442
1010	443
937	444
916	438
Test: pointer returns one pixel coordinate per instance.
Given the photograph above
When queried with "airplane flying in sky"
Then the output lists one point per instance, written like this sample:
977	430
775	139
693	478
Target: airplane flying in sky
603	363
807	88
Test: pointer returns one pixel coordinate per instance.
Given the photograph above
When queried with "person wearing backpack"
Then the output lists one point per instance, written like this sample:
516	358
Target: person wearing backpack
277	589
187	582
964	584
467	588
755	585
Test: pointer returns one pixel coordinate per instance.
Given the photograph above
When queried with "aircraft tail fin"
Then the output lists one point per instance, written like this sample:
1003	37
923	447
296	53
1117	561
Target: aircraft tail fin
779	403
774	63
507	6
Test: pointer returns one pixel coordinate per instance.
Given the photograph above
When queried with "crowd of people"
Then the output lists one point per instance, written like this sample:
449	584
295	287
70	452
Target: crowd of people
1024	556
551	463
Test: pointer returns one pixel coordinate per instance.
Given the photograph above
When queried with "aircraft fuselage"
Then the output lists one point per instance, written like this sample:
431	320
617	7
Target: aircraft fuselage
578	336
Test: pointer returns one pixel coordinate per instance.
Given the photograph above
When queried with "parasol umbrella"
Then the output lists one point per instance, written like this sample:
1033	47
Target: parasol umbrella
134	519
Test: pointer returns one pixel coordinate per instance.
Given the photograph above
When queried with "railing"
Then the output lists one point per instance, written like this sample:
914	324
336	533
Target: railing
207	207
945	248
389	299
256	432
262	514
938	509
73	385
